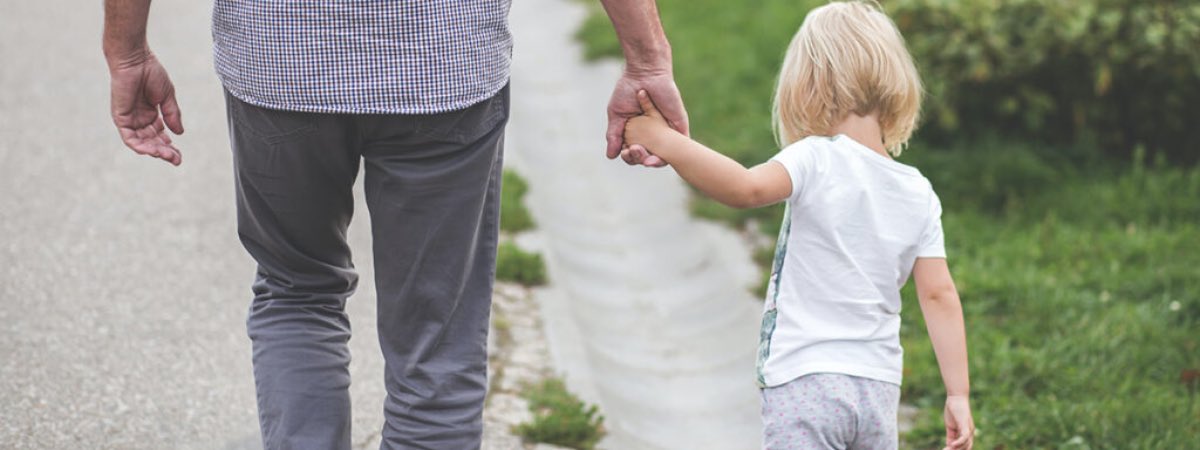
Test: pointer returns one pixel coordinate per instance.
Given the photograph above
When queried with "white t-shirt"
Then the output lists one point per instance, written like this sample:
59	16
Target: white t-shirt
855	224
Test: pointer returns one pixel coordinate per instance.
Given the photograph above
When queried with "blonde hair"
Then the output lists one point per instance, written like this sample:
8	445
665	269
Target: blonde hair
848	57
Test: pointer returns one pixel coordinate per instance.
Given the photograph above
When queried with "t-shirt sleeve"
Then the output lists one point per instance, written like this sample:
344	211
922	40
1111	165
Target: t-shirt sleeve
932	242
800	161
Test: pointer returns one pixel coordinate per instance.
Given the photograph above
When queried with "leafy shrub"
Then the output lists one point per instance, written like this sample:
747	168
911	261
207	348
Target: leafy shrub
514	264
992	176
514	217
560	418
1113	73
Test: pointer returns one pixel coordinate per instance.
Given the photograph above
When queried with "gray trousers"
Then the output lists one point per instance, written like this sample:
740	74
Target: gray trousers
432	188
830	411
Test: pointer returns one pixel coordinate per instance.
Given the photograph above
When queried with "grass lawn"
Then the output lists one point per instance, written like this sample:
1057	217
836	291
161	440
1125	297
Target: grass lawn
1080	277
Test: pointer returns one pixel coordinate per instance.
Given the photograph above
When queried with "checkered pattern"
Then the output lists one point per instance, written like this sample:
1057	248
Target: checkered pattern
362	56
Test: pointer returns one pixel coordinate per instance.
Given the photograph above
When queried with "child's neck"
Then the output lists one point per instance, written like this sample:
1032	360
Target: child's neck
864	130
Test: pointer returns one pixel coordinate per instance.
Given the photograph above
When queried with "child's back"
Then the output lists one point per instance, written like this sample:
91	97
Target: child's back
856	223
857	226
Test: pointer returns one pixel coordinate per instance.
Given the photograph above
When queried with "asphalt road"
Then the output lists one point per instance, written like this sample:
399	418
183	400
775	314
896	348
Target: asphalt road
123	287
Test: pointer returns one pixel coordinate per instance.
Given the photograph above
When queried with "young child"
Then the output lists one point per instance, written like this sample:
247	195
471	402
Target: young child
857	223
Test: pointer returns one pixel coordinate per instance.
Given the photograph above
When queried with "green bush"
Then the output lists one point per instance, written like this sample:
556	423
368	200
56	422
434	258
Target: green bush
516	265
1110	73
514	217
560	418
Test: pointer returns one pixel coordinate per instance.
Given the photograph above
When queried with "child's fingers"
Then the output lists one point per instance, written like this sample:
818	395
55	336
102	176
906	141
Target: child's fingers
964	438
647	104
958	438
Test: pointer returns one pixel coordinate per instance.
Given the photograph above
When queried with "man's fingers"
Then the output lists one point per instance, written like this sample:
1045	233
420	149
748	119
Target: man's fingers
170	154
627	156
615	135
171	114
150	143
135	142
670	106
167	151
645	158
647	104
653	161
637	155
639	152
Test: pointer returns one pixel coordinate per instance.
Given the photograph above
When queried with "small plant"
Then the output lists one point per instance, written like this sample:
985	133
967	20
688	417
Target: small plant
514	217
560	418
516	265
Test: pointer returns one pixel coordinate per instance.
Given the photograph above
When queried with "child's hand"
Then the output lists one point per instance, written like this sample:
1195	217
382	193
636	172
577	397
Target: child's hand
960	427
643	133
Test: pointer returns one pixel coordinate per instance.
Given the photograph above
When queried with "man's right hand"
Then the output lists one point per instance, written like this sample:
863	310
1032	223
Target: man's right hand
144	106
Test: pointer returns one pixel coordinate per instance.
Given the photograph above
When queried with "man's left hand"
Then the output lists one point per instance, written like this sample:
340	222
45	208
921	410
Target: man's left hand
624	105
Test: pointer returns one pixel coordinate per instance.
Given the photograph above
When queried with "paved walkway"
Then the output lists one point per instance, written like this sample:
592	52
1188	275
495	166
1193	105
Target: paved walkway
123	288
650	314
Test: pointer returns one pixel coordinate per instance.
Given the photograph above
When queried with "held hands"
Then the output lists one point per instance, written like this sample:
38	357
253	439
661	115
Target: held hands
625	105
141	90
643	131
960	427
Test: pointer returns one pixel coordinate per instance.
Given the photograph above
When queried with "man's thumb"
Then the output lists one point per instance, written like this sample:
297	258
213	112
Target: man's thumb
172	116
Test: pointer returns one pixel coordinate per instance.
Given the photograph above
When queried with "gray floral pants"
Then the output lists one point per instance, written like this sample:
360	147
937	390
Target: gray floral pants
830	411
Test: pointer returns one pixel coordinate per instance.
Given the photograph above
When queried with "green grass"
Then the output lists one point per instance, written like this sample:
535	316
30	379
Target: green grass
514	217
513	263
560	418
1080	277
519	266
1073	331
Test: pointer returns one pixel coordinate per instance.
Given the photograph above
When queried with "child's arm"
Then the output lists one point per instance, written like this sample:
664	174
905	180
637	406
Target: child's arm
944	319
718	176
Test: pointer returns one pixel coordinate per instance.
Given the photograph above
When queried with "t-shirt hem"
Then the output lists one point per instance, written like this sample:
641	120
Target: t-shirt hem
780	377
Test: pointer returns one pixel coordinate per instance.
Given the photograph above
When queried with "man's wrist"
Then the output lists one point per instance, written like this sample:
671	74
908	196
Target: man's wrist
647	64
126	55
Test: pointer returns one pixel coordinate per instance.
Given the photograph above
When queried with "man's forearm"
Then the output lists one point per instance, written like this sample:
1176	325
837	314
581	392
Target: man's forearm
641	34
125	31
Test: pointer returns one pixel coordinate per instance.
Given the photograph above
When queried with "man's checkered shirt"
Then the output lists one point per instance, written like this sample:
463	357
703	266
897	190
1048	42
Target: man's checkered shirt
362	56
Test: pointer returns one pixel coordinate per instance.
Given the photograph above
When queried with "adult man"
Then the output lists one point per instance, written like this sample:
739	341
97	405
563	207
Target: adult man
417	90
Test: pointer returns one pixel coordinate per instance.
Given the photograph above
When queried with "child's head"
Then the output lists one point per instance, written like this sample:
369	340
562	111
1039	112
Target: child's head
847	58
